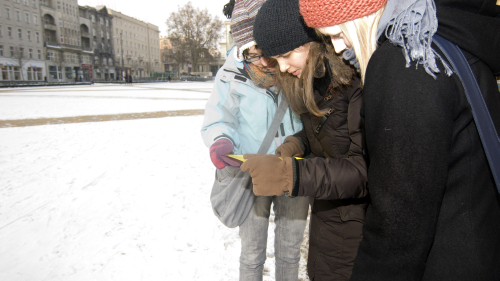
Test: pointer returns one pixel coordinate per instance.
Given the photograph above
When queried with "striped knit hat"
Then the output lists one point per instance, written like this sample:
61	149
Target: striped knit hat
242	20
322	13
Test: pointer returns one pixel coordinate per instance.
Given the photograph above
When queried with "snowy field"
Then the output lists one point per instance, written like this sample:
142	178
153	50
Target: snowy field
117	200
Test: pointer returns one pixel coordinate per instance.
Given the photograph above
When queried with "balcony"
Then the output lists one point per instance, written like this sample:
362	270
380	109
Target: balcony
128	57
72	47
46	6
49	26
51	43
141	57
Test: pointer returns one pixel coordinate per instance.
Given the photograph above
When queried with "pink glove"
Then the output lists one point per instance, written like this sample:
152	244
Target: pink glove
218	150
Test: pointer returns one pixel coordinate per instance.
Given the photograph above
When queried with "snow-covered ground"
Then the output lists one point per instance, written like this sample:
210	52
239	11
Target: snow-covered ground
118	200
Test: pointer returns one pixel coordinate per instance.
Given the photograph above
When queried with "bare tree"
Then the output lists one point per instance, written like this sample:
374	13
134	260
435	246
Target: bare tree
21	59
193	33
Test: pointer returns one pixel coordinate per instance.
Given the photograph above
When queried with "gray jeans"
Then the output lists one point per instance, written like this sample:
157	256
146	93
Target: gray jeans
290	218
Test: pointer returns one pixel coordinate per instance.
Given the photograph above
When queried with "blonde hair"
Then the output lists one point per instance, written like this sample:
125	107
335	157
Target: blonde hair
362	34
300	91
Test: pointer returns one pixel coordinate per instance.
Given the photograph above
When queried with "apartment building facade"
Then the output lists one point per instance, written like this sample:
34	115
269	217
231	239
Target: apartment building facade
97	38
136	45
21	46
59	41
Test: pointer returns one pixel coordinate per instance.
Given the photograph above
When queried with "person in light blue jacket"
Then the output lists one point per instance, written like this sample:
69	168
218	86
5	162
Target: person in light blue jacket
237	117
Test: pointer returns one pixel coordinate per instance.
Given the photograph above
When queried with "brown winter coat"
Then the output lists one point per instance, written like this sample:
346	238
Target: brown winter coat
336	177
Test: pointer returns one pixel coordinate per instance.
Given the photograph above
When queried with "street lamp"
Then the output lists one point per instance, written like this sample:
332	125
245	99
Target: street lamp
121	47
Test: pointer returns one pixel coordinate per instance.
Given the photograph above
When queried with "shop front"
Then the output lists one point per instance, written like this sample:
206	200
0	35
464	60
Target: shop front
86	72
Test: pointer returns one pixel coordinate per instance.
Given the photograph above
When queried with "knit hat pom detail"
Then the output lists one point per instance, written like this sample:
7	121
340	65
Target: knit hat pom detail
322	13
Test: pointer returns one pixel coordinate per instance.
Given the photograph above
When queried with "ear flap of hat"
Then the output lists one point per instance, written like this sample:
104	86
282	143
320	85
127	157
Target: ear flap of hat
239	53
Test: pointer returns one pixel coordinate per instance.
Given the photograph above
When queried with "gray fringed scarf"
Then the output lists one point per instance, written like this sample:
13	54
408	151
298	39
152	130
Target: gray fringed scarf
409	24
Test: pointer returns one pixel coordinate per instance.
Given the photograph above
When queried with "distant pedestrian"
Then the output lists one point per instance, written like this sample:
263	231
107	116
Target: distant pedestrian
169	78
130	79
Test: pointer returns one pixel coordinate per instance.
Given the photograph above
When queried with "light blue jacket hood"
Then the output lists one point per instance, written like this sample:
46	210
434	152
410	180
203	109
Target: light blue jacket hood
242	112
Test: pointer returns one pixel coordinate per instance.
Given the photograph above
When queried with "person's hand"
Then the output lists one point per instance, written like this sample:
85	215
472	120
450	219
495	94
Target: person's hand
217	151
289	148
270	175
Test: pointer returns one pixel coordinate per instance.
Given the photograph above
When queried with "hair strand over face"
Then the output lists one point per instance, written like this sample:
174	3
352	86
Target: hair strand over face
300	91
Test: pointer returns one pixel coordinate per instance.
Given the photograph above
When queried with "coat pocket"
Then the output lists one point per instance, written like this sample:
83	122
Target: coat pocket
353	212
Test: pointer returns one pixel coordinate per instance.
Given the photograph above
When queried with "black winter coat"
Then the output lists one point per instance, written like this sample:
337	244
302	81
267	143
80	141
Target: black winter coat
435	210
336	177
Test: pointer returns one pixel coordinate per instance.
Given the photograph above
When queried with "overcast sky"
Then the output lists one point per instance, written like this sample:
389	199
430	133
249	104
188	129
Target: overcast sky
154	11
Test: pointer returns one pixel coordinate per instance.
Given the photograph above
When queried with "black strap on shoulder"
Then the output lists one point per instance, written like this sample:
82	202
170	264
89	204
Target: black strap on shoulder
482	118
323	120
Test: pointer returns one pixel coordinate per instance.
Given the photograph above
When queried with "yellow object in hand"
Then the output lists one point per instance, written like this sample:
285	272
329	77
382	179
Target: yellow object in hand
240	157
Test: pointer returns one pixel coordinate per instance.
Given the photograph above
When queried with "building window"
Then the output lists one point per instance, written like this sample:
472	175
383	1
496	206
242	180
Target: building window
28	34
27	17
62	38
31	53
20	33
35	19
9	31
92	18
1	50
102	34
93	31
107	35
34	73
58	5
25	2
101	21
7	13
18	16
60	23
34	3
37	35
39	54
11	51
107	23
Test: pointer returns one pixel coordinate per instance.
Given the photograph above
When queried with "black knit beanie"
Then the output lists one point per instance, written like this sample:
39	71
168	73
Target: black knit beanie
279	28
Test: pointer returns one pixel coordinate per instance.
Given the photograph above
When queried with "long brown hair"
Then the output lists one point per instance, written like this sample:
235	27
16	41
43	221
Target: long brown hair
300	91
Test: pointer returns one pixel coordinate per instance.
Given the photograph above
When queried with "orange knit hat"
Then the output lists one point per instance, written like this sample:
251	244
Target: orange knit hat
321	13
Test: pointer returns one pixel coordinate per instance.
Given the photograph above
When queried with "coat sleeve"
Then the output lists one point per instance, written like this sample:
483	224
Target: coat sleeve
301	135
409	127
338	178
221	114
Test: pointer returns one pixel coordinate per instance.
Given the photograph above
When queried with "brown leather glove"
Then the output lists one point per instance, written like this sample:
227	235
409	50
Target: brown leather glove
289	148
270	175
